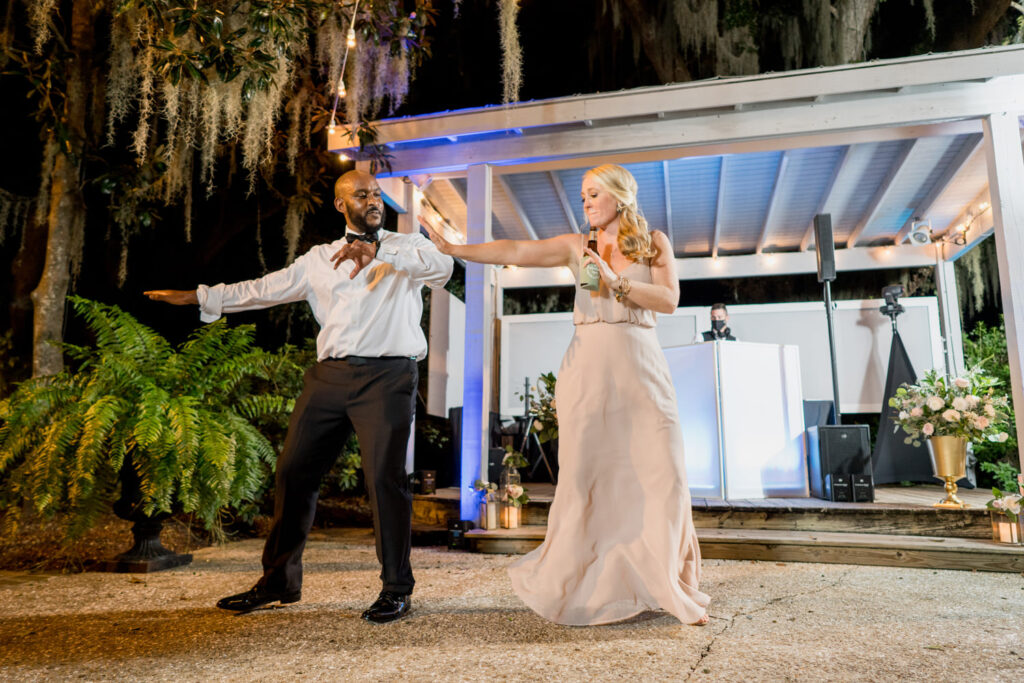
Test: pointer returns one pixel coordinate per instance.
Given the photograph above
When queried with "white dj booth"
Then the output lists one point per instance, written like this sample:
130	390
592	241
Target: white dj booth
741	412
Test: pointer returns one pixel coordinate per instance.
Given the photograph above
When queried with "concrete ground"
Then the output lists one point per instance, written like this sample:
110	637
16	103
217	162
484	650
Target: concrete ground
769	621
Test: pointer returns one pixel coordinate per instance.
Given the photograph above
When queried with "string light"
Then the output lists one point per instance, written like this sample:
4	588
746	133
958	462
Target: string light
350	43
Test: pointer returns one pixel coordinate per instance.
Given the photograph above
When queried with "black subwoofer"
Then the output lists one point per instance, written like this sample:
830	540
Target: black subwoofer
836	449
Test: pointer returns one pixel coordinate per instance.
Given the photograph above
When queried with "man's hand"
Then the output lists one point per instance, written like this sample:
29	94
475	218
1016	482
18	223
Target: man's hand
359	252
178	297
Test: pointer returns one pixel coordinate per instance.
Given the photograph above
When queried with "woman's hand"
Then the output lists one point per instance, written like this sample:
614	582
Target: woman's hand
608	276
443	245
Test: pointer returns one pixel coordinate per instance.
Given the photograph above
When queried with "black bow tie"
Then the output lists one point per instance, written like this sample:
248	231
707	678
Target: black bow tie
370	237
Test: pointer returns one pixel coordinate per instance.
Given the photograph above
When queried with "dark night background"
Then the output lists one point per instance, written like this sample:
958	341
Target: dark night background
568	48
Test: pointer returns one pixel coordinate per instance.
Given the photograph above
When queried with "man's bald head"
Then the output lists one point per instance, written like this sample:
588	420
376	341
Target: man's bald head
346	184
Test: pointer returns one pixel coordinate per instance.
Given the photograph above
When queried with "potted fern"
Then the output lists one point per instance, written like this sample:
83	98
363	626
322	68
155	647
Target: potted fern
141	426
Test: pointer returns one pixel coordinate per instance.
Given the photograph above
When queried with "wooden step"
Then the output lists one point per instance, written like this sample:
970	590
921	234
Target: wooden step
800	546
891	514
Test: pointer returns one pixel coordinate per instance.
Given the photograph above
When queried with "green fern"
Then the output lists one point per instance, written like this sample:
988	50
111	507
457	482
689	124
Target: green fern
195	421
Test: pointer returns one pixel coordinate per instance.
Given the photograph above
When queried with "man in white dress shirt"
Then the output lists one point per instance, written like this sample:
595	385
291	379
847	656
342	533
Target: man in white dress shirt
364	290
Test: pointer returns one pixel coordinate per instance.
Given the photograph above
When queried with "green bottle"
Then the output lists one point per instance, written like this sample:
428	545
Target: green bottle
590	275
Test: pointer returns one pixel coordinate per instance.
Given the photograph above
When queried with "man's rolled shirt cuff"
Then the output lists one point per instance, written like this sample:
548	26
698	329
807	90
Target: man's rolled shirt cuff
211	302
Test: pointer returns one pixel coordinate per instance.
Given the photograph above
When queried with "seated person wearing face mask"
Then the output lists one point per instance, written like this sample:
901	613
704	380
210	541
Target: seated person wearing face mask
719	326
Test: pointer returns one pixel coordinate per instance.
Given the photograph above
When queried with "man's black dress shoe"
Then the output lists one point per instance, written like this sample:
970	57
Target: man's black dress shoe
257	596
389	606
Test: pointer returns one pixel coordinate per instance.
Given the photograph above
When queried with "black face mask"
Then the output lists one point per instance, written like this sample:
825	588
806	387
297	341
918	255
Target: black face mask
718	325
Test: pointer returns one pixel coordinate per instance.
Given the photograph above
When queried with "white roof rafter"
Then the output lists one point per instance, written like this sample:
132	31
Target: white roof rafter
719	207
563	199
882	193
524	220
773	202
825	197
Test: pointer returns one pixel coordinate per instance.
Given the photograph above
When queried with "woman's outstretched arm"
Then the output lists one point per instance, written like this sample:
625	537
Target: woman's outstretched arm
556	251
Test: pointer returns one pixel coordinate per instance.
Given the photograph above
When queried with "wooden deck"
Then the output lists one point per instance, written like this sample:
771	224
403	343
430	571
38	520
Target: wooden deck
901	528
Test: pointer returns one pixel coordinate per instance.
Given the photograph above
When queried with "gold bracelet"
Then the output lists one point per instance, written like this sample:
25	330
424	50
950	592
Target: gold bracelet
622	288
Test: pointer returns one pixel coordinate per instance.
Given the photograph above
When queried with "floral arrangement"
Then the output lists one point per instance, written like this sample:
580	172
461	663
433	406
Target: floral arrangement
1008	503
516	495
543	409
514	459
965	407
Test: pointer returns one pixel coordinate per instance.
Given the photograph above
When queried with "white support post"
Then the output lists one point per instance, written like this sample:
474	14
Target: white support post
476	404
949	315
1006	180
409	222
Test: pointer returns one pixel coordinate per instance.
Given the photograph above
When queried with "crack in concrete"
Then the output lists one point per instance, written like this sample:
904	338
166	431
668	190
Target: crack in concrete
730	621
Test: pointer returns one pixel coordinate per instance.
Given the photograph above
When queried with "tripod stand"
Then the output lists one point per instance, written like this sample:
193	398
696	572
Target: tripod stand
530	434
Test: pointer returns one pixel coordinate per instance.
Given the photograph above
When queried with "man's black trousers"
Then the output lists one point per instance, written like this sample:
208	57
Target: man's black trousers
376	397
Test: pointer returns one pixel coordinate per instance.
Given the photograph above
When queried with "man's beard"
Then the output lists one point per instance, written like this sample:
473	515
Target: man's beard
361	224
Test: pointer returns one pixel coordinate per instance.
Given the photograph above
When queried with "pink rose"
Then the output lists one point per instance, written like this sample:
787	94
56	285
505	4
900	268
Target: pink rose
981	422
928	429
990	410
935	402
961	382
951	415
916	412
961	403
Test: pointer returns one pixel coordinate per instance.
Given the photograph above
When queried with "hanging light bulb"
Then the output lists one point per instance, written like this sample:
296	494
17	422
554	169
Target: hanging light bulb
330	128
350	39
341	87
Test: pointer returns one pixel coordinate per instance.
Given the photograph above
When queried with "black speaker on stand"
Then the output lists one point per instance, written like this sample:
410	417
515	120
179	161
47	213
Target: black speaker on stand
838	456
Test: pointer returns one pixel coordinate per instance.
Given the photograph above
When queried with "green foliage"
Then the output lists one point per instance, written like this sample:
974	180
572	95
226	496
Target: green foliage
985	347
187	418
1004	474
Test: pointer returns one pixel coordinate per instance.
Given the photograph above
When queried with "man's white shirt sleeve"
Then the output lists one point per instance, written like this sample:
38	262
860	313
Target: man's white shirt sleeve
280	287
418	257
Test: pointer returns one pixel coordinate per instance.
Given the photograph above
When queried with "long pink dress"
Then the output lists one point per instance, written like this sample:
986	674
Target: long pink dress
620	537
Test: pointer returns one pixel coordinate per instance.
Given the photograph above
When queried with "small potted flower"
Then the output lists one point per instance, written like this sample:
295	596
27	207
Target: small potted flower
513	494
1007	521
947	415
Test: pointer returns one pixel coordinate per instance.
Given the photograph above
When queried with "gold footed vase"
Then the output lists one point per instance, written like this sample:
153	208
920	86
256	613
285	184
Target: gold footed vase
949	463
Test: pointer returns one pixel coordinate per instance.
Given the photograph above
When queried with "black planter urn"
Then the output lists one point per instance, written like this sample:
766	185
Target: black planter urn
147	554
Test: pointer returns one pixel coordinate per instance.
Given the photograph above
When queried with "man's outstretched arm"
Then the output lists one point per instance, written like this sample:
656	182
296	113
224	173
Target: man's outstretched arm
280	287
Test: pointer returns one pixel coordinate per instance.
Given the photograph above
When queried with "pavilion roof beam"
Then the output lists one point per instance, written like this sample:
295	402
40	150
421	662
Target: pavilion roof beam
750	265
773	202
524	220
667	180
881	194
974	68
567	143
720	207
563	199
966	153
825	197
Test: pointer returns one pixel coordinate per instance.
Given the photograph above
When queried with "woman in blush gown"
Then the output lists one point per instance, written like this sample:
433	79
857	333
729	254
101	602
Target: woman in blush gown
620	537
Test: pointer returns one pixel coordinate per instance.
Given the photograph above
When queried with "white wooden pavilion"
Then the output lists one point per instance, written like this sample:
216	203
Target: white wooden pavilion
734	171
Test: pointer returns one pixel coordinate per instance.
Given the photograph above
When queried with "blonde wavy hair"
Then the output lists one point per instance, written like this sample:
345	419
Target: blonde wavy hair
634	236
